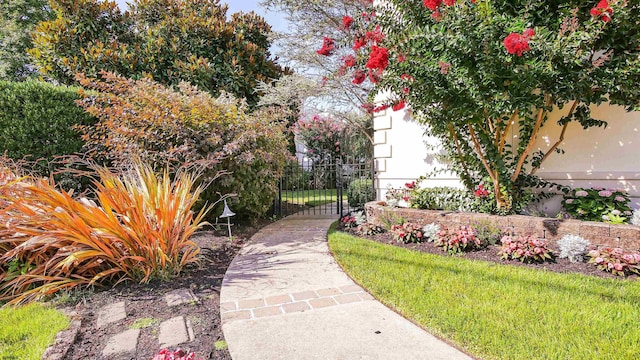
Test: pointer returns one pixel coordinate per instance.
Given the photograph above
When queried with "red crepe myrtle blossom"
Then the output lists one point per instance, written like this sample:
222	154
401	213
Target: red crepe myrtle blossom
402	58
374	76
328	46
359	77
358	43
406	77
378	59
432	4
375	36
449	2
436	15
381	108
368	16
368	107
410	185
481	192
518	43
602	10
347	21
349	61
399	106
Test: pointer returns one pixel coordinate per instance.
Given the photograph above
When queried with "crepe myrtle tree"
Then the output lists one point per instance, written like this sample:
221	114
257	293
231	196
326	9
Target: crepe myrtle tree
331	90
478	73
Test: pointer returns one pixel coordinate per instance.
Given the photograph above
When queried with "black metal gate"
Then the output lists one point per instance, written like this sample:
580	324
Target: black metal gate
324	187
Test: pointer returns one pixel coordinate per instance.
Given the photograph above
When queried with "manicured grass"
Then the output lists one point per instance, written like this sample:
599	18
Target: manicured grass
496	311
310	197
26	331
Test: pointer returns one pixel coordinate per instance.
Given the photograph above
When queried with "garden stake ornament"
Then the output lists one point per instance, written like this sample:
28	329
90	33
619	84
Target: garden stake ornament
227	213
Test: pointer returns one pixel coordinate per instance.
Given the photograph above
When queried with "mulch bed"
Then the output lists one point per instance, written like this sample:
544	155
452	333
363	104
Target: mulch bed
491	254
147	301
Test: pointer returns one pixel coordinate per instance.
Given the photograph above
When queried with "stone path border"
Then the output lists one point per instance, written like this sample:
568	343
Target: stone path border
172	332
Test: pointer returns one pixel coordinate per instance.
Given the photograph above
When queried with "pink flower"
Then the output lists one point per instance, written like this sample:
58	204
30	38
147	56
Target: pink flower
368	107
444	67
604	193
599	260
618	266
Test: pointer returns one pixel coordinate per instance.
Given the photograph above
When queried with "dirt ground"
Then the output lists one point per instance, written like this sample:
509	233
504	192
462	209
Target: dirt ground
146	301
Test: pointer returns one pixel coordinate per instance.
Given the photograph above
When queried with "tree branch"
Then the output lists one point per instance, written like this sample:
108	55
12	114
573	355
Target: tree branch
459	149
534	134
507	128
478	148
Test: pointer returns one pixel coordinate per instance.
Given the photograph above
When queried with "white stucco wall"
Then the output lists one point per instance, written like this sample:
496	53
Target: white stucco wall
607	157
402	155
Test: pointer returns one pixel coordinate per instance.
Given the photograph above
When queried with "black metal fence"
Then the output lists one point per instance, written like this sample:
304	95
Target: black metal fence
323	187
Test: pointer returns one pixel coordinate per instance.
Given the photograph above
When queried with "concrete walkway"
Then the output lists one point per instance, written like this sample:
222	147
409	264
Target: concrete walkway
284	297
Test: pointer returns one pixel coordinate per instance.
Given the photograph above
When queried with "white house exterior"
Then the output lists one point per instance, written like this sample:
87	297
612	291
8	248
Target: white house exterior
607	157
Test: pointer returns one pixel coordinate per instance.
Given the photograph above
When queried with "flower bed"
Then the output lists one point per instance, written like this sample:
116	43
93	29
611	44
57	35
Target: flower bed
603	234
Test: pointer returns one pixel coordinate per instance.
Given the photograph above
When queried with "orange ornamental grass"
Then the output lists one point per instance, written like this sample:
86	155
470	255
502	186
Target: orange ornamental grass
138	228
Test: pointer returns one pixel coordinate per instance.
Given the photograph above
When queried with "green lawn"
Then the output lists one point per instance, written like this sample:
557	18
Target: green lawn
496	311
310	197
26	331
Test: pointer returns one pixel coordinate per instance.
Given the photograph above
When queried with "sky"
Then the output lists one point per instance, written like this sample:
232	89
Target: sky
276	20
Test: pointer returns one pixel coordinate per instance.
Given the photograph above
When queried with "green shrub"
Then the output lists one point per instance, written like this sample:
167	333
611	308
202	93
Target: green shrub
488	232
36	121
441	198
359	192
407	233
459	240
245	152
598	204
527	249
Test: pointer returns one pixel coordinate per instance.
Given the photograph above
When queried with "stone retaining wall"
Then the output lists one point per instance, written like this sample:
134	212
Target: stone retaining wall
624	236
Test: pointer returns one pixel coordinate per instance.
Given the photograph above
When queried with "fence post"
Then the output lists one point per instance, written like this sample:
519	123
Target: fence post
339	186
